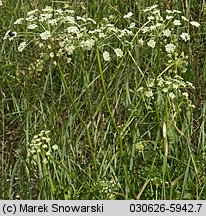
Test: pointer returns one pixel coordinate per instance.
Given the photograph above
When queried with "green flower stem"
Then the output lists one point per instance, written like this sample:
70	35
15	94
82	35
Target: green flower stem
122	156
81	120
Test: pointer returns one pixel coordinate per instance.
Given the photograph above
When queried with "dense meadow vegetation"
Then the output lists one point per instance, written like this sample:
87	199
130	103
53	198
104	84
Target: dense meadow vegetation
103	99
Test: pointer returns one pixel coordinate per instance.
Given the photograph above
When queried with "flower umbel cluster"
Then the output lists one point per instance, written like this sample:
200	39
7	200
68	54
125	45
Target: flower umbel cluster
162	29
40	148
56	34
106	189
173	88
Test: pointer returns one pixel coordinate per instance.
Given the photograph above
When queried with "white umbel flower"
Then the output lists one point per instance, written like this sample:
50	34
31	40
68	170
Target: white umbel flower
170	48
169	17
132	25
145	29
169	11
177	23
19	21
32	12
55	147
166	33
151	43
88	44
185	37
177	11
73	29
149	94
150	18
184	18
70	49
45	35
118	53
45	17
141	41
106	56
51	55
172	95
127	16
32	26
185	94
45	161
150	8
194	23
21	46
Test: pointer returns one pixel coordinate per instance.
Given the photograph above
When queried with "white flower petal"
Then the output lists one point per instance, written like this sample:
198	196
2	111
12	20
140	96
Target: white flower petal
194	23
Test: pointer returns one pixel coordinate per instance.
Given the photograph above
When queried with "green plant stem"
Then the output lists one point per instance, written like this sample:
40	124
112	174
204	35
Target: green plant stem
122	155
81	120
